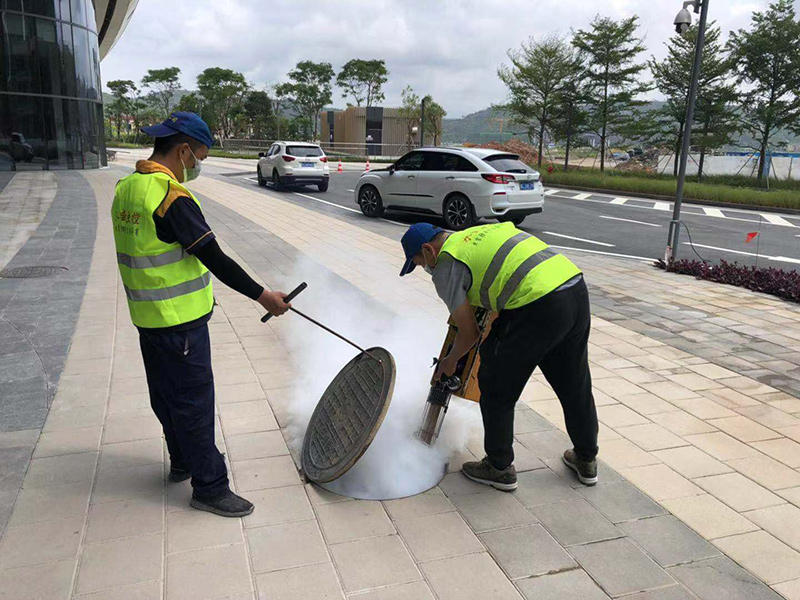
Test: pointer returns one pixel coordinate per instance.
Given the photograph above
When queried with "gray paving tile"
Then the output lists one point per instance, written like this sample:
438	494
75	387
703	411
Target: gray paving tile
673	592
542	487
721	579
546	444
605	474
620	567
527	551
575	522
569	585
668	541
621	501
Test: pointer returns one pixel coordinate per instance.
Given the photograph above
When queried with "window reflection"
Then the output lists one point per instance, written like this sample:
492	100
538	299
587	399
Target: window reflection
51	115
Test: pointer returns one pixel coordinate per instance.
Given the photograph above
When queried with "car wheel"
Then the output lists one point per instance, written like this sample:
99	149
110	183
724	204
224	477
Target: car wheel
369	199
261	181
323	187
276	181
458	212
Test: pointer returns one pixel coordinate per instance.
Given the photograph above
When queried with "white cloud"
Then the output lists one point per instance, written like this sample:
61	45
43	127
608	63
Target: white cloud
448	48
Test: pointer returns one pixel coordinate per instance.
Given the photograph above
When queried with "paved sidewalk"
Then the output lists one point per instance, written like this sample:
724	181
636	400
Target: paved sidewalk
698	392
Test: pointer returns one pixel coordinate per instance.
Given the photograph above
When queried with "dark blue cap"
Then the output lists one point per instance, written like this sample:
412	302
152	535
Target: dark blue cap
421	233
182	122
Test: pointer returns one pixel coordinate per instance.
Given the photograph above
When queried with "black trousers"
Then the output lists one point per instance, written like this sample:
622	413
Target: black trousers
181	384
553	334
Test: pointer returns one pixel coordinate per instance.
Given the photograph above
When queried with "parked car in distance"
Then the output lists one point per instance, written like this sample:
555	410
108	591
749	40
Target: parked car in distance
461	185
293	163
621	156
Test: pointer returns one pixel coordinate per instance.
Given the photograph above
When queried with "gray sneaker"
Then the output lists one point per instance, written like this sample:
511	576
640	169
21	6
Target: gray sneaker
484	472
585	469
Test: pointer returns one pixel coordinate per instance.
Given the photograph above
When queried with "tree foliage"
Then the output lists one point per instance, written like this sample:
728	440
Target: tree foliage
223	92
541	75
124	92
434	118
163	85
767	59
309	90
613	78
260	117
363	80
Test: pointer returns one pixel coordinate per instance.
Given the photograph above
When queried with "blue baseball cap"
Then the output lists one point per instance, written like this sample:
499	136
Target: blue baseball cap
182	122
421	233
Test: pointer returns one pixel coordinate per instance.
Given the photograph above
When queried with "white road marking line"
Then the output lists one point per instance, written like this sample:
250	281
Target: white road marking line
351	190
630	221
577	239
604	253
619	201
713	212
346	208
777	220
662	206
775	258
550	192
582	197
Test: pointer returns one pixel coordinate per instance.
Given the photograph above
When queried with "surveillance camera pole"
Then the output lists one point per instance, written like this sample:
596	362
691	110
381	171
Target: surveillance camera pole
674	226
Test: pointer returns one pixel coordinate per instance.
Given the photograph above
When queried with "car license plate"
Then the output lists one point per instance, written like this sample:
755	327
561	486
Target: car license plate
526	185
307	165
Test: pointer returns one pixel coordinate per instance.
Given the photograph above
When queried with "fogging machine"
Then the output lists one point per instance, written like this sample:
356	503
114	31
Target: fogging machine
463	383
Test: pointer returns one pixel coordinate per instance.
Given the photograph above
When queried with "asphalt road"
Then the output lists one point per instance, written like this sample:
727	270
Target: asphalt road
631	228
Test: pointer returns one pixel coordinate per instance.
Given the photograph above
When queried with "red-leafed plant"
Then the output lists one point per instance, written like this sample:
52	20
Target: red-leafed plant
777	282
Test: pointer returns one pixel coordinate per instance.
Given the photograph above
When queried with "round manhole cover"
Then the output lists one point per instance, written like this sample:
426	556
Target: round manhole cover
348	416
30	272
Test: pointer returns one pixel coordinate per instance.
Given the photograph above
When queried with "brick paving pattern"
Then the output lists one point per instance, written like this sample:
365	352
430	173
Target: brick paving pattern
699	493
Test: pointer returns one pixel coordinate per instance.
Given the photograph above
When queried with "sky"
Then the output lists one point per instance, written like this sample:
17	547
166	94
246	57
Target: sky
450	49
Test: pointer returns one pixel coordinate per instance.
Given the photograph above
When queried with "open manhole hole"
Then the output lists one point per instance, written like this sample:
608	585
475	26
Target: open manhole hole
348	416
31	272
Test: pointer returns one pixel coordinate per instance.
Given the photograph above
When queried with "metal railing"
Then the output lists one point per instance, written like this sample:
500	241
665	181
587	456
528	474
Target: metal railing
337	149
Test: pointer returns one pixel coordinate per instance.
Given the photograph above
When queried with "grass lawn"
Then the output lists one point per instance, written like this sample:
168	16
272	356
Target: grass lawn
735	190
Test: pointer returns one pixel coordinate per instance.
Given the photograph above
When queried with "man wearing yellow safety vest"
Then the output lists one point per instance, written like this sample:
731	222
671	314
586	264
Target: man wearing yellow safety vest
543	320
165	250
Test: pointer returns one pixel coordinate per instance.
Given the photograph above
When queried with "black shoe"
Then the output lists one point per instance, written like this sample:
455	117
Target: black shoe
485	472
585	469
226	504
177	475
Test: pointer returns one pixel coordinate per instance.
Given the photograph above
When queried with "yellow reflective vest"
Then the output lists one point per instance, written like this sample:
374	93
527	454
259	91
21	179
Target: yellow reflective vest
510	268
164	284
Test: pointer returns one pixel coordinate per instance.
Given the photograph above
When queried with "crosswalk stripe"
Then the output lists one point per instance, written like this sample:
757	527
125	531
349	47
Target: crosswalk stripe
662	206
583	196
713	212
777	220
619	201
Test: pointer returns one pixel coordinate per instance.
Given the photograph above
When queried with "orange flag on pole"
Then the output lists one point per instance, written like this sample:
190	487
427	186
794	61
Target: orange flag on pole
751	237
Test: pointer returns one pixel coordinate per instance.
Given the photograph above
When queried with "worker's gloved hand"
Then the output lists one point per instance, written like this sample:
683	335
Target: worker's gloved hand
447	366
274	302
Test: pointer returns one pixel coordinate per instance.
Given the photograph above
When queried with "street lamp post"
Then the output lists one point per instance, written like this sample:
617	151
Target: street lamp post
682	23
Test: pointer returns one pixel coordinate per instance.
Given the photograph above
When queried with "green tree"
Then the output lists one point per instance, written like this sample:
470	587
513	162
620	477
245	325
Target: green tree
223	92
612	74
258	110
124	92
716	120
409	114
309	90
363	80
767	59
571	118
163	84
434	117
537	78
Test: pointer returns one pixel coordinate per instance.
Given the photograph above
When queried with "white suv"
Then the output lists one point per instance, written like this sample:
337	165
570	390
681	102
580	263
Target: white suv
460	184
293	163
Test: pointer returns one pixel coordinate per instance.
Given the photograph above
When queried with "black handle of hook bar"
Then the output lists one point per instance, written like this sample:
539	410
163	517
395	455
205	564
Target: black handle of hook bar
288	299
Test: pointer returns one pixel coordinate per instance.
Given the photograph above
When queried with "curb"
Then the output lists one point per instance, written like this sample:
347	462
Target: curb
620	193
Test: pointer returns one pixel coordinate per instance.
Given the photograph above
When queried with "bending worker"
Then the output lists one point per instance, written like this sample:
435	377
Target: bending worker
543	320
165	250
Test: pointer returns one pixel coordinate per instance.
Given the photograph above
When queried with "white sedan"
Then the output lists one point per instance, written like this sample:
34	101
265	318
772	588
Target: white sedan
293	163
461	185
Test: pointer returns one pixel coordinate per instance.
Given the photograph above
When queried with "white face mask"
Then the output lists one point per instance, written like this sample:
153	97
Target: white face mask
428	270
194	172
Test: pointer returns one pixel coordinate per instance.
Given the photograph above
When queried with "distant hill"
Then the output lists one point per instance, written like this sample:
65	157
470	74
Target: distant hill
177	98
489	124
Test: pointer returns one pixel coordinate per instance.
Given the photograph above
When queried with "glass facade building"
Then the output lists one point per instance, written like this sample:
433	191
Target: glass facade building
51	106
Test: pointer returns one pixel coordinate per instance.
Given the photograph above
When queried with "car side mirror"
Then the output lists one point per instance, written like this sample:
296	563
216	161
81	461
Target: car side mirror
261	155
392	169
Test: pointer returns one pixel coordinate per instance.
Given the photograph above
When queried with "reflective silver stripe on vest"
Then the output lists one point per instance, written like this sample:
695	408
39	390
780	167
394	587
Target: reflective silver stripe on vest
519	274
149	262
497	263
187	287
